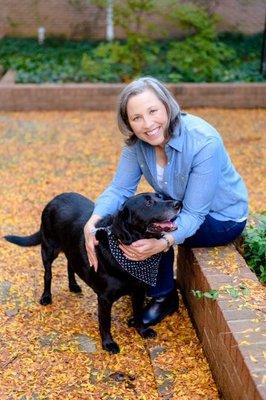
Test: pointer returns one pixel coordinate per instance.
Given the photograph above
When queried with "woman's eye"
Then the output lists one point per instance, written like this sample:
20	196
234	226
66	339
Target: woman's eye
153	111
136	119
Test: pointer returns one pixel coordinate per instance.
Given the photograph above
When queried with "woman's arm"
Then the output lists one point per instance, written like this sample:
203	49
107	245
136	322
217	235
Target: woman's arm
201	189
123	185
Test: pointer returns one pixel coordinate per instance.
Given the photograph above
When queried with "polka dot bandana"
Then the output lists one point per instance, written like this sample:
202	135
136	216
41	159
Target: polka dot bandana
145	270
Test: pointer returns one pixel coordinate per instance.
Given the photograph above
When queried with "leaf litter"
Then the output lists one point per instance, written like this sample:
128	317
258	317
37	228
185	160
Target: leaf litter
54	352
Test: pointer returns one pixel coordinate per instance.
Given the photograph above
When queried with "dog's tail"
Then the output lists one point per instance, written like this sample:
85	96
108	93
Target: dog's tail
25	241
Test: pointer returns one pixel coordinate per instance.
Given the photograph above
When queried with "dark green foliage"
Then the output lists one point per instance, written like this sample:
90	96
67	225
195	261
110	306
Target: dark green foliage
255	247
55	61
200	56
119	61
228	58
198	59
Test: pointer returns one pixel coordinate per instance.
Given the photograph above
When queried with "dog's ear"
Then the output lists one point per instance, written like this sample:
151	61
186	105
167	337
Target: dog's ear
121	226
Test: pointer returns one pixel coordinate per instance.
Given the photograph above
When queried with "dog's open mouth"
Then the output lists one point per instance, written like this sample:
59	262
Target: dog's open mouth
162	226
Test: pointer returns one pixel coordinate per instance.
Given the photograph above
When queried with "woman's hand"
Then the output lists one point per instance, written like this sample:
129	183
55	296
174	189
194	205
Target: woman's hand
145	248
90	240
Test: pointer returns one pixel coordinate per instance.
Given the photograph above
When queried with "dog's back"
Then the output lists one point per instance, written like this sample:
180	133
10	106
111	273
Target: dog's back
64	218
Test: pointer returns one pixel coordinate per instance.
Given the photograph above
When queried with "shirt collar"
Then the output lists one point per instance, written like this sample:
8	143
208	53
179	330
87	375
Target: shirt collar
177	140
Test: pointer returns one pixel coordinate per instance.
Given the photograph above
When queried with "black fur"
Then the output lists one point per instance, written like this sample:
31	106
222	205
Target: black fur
61	230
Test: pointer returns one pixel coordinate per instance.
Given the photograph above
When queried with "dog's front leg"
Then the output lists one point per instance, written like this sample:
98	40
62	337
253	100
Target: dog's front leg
104	317
137	299
72	283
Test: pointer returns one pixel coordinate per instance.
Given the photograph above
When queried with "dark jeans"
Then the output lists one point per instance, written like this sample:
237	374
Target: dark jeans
211	233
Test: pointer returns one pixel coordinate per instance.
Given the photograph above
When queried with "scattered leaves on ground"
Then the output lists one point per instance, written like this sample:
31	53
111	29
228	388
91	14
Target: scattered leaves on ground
54	352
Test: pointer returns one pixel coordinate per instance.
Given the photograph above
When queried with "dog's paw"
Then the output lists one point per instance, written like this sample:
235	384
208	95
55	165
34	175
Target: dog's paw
147	333
75	288
46	299
111	347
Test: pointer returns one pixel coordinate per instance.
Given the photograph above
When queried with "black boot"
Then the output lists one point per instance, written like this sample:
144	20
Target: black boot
160	307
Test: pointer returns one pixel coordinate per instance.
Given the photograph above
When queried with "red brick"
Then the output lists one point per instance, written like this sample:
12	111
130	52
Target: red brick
225	328
104	97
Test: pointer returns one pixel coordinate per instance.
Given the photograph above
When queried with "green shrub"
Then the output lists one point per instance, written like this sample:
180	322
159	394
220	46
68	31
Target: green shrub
119	61
199	57
102	64
168	60
191	19
255	247
127	59
55	61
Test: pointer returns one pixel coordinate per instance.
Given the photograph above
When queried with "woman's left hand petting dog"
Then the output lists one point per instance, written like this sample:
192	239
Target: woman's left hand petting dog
62	224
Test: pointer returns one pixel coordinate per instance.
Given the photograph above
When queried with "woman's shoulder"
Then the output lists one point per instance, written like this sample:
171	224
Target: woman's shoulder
195	127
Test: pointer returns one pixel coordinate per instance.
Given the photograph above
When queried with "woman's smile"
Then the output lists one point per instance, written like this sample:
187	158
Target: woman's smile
154	132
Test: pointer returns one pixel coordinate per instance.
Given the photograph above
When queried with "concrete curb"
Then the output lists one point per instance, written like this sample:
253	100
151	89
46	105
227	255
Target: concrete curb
232	330
98	96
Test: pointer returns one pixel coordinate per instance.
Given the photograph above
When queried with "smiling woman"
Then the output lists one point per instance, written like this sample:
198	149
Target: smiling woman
182	157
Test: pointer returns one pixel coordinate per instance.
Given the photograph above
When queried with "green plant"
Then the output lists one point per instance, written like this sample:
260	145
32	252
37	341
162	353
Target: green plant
131	17
255	247
100	61
119	61
213	294
199	57
103	64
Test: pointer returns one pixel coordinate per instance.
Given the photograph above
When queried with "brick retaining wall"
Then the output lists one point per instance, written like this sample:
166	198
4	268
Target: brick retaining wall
89	96
232	330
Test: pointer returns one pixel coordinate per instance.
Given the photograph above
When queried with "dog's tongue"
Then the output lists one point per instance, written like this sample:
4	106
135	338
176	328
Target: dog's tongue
165	226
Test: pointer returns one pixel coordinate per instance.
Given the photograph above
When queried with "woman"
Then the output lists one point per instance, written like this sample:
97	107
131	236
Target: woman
183	157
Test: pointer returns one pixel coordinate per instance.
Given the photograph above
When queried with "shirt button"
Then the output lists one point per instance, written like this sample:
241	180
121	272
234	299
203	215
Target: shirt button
165	183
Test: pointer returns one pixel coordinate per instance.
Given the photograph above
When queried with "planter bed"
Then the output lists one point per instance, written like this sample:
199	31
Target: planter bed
232	330
96	96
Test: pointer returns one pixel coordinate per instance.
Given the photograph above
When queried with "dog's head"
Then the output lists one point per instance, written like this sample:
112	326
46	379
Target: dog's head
144	216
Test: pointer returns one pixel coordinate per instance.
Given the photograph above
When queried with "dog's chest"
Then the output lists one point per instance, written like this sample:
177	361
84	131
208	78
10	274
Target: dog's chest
145	271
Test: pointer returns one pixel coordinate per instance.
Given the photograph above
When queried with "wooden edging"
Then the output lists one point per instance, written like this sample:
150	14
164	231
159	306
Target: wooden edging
231	329
98	96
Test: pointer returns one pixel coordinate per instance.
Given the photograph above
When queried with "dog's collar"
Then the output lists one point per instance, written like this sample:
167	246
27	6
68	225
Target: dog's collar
145	270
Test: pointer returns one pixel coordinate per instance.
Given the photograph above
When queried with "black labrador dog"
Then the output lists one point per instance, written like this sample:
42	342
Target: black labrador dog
144	215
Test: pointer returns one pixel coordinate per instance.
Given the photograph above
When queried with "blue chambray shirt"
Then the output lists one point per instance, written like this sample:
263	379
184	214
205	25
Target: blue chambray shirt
199	173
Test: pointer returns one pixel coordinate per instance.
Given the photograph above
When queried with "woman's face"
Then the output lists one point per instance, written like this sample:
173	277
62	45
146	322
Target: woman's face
148	117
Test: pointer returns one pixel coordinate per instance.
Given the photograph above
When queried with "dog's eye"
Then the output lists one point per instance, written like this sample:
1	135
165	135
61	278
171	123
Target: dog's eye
148	203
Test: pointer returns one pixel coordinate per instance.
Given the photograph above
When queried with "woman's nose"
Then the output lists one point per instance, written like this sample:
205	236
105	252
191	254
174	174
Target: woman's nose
147	122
